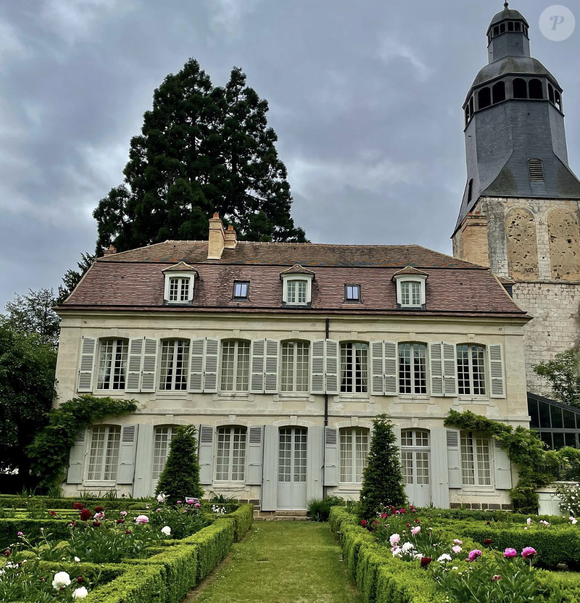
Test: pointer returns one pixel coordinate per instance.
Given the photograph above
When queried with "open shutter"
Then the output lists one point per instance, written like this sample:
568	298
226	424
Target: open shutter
377	368
206	455
314	462
77	460
87	364
436	356
143	485
449	369
271	370
134	365
332	351
254	465
439	469
149	365
453	459
496	370
330	456
391	380
210	368
270	483
196	365
317	370
126	471
257	372
503	469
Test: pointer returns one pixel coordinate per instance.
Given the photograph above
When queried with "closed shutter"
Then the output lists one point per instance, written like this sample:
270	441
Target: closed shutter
257	372
77	460
332	351
449	369
317	370
196	365
391	380
134	365
439	469
126	471
143	485
496	370
254	463
270	483
453	459
503	469
271	371
436	357
330	456
149	365
377	368
206	455
87	364
314	463
210	369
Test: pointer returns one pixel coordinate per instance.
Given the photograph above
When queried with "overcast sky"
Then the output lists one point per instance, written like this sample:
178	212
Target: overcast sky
365	98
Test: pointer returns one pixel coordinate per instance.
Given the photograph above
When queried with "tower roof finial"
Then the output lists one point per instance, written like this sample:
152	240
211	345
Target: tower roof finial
506	4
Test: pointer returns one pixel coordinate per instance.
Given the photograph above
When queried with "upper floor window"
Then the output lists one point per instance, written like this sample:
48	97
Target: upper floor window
296	292
354	362
174	364
112	363
295	366
354	449
412	368
475	459
410	283
471	370
241	289
179	283
235	373
352	293
161	440
410	293
297	286
231	454
104	453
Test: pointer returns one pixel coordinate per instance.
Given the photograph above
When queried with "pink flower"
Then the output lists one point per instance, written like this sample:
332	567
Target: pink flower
197	505
457	549
123	513
509	553
99	516
141	519
496	578
416	530
20	534
394	539
529	521
457	541
529	552
474	554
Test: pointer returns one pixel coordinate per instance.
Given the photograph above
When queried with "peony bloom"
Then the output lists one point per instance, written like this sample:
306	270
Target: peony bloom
496	578
444	558
80	593
529	521
474	554
77	560
510	553
397	552
61	580
407	547
394	539
141	519
363	523
123	513
78	506
100	515
487	541
85	514
20	534
166	530
457	541
529	552
456	549
425	561
416	530
99	509
161	498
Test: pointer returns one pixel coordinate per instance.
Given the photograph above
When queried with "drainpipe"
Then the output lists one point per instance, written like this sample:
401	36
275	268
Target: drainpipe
327	336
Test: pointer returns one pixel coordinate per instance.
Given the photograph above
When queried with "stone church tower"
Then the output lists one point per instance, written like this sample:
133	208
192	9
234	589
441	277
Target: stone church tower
520	212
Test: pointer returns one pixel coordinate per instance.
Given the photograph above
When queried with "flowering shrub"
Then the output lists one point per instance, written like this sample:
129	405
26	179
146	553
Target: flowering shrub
182	520
569	495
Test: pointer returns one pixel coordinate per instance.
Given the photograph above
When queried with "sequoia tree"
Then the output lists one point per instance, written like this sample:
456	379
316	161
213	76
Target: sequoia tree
201	149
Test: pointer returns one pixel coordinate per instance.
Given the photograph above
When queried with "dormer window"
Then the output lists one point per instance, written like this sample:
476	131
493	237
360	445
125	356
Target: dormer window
410	293
410	283
297	286
179	284
179	289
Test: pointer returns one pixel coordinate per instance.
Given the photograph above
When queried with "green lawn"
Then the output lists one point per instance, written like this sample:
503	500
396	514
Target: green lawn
282	562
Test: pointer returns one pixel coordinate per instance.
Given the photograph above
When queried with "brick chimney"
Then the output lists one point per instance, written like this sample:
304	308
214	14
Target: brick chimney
231	240
112	249
216	242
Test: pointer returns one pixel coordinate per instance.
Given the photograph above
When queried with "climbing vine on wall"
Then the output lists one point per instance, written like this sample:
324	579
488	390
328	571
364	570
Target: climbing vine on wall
49	453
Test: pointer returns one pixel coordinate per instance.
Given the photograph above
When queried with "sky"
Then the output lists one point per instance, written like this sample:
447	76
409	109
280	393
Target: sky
365	98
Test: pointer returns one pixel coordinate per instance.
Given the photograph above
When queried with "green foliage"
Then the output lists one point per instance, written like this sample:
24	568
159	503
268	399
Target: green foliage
73	277
10	527
563	374
243	518
180	478
382	477
201	149
569	495
319	508
184	520
51	447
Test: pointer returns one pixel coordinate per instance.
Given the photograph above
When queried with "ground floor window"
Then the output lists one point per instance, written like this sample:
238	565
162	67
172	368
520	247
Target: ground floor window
104	453
231	454
415	456
475	459
354	448
162	439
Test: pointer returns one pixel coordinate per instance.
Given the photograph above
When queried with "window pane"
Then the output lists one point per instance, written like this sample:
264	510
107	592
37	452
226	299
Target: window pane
558	440
412	368
407	461
300	455
354	367
285	455
416	294
535	417
544	415
463	369
467	460
478	369
405	294
471	370
112	363
174	364
556	417
235	374
483	462
162	438
353	292
570	439
354	448
547	438
240	289
568	420
231	454
346	445
96	453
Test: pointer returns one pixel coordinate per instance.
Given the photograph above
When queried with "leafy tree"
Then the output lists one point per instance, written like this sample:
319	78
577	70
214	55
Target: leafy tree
382	477
27	390
180	478
563	374
201	149
73	277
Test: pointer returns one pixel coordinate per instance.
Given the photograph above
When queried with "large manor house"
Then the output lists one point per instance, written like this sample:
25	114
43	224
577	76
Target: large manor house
281	354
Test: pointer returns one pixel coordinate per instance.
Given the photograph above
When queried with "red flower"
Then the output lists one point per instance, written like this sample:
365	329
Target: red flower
80	579
402	511
99	509
78	506
488	523
85	514
408	525
363	523
7	552
383	515
417	521
487	541
53	513
96	523
425	561
127	532
120	521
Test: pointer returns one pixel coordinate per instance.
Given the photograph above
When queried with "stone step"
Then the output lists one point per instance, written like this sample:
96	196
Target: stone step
281	516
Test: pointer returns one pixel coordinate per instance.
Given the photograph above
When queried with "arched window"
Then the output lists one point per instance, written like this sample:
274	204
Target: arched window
354	449
558	99
295	366
498	92
471	370
231	454
174	364
484	98
112	363
161	439
412	368
551	92
235	373
536	89
510	26
104	453
354	363
520	88
415	456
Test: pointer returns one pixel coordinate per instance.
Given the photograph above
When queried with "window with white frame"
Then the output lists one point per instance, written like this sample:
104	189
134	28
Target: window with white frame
410	290
415	456
296	292
161	440
174	364
412	368
475	459
297	289
231	454
354	364
295	366
241	289
235	366
179	286
471	370
354	449
112	363
352	293
104	453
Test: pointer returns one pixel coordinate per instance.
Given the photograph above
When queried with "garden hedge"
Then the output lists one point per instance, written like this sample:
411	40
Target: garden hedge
243	519
9	529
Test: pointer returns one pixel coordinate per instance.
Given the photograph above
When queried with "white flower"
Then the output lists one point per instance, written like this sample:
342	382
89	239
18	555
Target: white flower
529	520
397	552
454	567
77	560
161	498
456	549
166	530
444	558
142	519
407	547
61	579
80	593
394	539
417	556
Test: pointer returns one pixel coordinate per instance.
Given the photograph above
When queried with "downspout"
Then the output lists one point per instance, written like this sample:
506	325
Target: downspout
327	336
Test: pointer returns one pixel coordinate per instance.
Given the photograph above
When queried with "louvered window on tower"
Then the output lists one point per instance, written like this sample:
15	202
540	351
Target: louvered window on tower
536	167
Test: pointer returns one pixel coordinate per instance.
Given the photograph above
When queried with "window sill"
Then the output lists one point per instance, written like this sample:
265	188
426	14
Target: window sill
229	485
228	396
293	396
475	399
479	490
422	397
99	484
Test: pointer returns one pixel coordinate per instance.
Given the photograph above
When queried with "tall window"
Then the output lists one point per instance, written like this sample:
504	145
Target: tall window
415	456
162	439
410	293
471	370
174	364
179	289
231	454
295	367
104	453
296	292
354	448
354	367
412	368
112	363
235	366
475	459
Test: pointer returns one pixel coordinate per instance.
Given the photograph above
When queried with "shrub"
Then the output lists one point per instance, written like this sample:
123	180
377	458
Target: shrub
184	520
242	518
319	508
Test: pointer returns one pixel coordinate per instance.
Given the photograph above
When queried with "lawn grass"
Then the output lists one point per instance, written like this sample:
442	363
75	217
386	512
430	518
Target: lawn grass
282	562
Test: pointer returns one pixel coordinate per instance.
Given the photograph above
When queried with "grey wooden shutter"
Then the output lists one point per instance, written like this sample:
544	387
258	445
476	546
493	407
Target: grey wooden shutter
254	462
271	368
377	368
453	459
210	368
149	365
332	355
126	471
314	462
436	358
449	369
87	364
317	385
77	460
134	365
503	469
439	468
270	481
496	371
257	366
331	456
206	455
143	486
391	376
196	347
